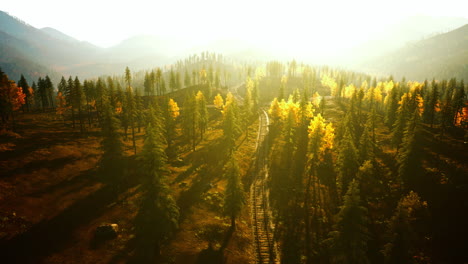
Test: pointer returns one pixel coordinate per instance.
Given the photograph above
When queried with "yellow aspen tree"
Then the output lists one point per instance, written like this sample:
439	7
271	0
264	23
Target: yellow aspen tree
218	102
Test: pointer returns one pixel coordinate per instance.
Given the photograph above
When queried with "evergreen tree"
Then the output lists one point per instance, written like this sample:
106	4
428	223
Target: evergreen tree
112	146
130	113
234	197
158	217
163	86
43	93
111	92
77	100
159	82
347	161
62	86
231	129
255	96
247	107
409	157
70	98
171	114
187	80
147	84
128	77
366	146
402	243
202	113
139	115
172	81
190	120
348	241
178	84
391	106
49	86
37	97
101	93
459	100
432	104
281	92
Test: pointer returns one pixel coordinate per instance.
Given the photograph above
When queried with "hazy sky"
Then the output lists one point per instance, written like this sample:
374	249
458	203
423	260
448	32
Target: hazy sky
318	23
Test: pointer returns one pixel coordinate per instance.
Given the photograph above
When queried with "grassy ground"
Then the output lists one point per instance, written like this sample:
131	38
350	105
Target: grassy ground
51	200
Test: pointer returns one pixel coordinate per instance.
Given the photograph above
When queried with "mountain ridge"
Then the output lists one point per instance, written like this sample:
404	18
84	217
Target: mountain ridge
442	56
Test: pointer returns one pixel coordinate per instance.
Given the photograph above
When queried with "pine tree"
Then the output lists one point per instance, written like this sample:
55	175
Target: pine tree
404	114
255	96
459	100
190	118
147	84
172	81
187	80
247	106
163	86
77	100
348	241
112	146
158	217
101	93
89	93
432	104
171	114
159	82
231	128
130	112
281	92
139	115
62	86
202	113
347	161
391	106
111	92
70	95
49	86
178	84
43	93
128	77
153	157
409	157
367	141
234	197
402	243
37	97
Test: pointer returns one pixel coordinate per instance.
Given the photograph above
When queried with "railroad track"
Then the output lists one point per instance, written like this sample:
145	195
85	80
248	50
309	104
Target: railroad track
265	246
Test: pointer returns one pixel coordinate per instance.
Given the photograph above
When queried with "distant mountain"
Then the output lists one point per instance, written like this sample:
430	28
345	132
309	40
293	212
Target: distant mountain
36	52
59	35
442	56
410	30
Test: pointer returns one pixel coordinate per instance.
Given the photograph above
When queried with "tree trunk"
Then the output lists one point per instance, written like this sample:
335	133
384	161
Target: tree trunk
307	220
133	138
233	222
73	116
81	119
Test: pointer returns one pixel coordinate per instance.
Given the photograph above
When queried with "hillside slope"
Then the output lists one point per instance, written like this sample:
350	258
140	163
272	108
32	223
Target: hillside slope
441	56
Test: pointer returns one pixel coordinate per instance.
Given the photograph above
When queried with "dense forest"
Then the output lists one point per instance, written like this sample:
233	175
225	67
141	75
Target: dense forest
214	161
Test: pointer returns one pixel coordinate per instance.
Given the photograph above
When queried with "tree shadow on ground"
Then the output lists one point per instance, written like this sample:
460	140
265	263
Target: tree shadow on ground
204	179
211	256
55	234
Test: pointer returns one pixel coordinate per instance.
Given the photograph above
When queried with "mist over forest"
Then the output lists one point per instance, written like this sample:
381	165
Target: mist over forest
234	132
